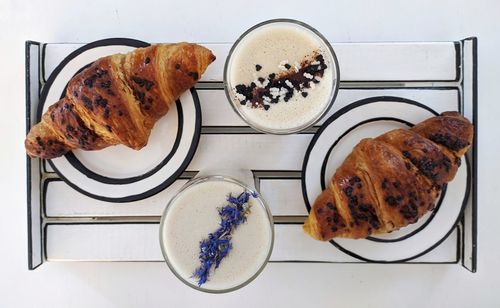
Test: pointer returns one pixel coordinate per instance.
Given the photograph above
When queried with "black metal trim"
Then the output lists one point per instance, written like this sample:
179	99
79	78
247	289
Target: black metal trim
42	66
475	154
29	168
475	151
226	130
247	130
458	60
457	72
28	159
275	261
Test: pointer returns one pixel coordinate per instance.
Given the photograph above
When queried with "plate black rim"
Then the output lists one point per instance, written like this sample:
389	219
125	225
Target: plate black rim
342	112
167	182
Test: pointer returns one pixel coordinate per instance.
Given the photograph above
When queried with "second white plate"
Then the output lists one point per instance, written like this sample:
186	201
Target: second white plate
335	140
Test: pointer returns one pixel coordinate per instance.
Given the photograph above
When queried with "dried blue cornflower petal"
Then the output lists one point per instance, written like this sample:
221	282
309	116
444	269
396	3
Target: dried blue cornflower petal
218	244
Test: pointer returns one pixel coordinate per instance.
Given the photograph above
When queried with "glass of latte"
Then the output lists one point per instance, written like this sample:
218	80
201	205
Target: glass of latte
216	234
281	76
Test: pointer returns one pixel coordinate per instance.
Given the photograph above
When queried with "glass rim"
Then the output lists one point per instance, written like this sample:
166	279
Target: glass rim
285	131
199	180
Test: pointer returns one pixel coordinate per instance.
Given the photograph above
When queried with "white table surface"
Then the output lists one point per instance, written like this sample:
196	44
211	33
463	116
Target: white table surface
292	285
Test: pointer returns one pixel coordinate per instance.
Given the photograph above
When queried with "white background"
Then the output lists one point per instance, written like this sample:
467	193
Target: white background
291	285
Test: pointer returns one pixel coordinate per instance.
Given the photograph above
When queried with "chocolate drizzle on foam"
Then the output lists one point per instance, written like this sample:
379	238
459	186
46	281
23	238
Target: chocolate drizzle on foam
297	79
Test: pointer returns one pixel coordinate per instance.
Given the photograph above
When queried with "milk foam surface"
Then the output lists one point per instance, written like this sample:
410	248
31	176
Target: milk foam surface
194	215
269	46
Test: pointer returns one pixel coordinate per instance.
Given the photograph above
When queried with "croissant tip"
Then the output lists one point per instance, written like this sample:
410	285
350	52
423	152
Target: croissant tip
310	227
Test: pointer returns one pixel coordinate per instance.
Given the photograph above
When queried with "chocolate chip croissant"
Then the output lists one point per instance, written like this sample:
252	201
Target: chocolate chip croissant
118	99
390	181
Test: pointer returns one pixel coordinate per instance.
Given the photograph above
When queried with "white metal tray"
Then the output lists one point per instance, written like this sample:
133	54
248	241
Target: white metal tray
65	225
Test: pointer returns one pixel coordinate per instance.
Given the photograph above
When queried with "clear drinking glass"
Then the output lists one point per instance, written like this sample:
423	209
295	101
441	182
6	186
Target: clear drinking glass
229	87
170	255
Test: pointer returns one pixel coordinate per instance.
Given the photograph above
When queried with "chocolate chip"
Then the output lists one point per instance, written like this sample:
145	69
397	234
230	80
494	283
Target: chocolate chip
89	82
99	73
140	96
148	84
385	182
105	84
453	143
409	211
348	191
147	60
101	102
194	75
391	201
258	67
355	179
304	94
87	103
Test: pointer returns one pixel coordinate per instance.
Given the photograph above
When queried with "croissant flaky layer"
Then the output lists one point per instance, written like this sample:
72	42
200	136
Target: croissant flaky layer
390	181
118	99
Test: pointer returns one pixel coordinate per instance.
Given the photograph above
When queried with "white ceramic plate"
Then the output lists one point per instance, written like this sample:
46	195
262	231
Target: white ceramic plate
335	140
118	173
